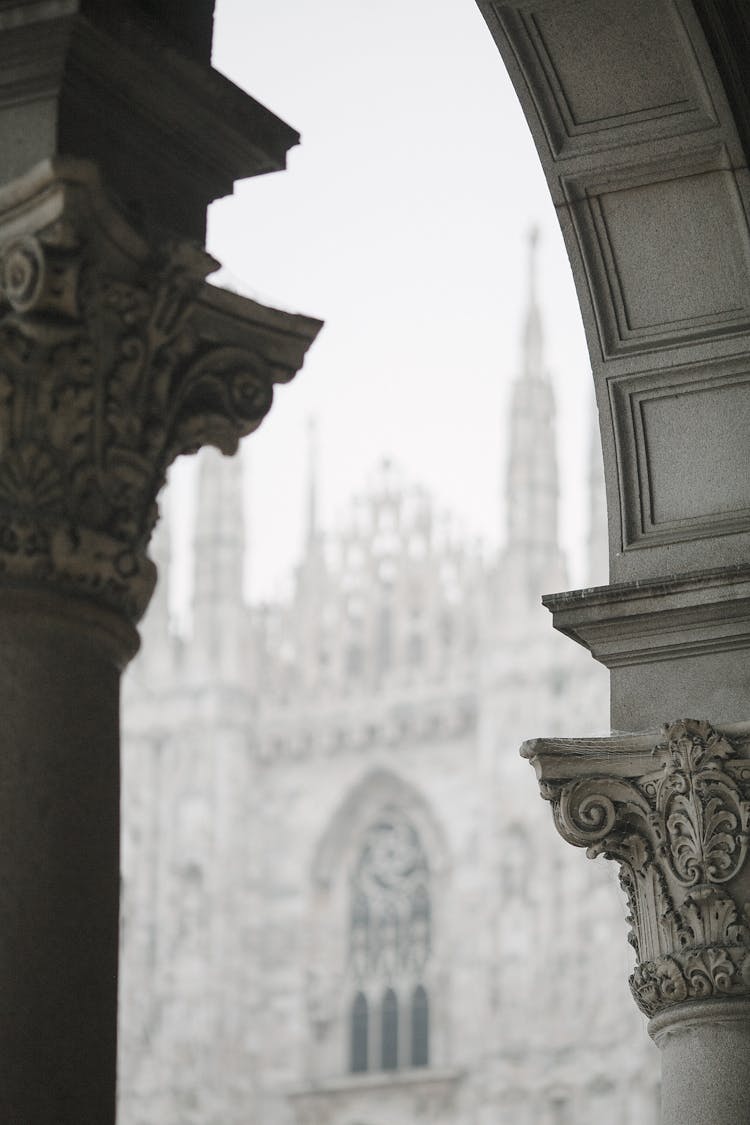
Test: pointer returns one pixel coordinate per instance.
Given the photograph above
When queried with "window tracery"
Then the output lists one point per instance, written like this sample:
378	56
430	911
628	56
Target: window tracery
389	947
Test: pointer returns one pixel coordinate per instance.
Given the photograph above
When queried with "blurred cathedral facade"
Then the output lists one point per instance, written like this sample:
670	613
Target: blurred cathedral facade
343	902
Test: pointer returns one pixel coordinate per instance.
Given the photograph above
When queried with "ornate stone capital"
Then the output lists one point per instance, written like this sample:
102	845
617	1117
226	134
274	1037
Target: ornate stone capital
675	814
115	357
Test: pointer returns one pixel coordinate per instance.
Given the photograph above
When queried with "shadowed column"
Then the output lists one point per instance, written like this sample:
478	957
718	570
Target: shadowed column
115	357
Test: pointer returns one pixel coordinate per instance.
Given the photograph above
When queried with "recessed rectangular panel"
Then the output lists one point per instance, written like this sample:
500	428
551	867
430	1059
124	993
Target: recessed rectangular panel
666	247
624	64
604	73
685	230
697	453
682	444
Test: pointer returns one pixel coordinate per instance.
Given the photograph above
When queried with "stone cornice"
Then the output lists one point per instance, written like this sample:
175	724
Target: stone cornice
169	131
231	134
674	811
115	357
640	622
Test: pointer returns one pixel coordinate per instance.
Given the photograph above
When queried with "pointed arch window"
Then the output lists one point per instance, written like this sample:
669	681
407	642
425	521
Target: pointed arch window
360	1034
390	942
420	1027
389	1031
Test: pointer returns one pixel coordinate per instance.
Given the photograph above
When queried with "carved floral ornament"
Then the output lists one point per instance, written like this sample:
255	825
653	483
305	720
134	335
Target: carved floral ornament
676	819
107	373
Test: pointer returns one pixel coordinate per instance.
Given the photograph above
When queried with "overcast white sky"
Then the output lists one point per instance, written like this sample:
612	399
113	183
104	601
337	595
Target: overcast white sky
402	222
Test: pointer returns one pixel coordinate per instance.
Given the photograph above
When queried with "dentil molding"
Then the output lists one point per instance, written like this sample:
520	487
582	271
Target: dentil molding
674	811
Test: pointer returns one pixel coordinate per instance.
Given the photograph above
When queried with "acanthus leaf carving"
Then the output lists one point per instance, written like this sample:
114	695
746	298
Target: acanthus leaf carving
107	373
678	827
701	809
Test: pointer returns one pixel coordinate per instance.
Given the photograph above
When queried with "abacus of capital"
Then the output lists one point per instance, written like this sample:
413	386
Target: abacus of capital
116	356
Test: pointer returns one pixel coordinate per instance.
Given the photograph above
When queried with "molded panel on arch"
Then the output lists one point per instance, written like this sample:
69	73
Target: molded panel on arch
695	448
682	451
667	254
607	72
624	74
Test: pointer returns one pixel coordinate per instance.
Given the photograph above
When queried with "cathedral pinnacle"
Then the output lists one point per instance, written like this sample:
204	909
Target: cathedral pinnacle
312	480
532	487
532	336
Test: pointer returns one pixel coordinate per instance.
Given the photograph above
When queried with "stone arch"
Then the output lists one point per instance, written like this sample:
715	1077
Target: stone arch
640	119
376	789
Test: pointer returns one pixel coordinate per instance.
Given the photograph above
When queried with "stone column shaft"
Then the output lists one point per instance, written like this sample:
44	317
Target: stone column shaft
59	856
705	1048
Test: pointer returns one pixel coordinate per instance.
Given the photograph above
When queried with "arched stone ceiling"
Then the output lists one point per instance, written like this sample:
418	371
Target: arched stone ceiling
639	110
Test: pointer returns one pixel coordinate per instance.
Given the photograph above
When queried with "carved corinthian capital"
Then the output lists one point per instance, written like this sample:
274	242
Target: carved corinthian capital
115	357
675	813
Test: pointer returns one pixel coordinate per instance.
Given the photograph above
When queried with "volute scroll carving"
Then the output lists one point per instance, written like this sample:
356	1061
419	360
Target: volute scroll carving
115	357
676	818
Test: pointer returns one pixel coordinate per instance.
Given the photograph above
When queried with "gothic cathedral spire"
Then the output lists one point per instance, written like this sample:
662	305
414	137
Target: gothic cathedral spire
533	358
312	481
532	484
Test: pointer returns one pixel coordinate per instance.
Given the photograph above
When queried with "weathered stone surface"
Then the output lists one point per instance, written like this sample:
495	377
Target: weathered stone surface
704	1046
639	112
115	357
633	113
675	814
